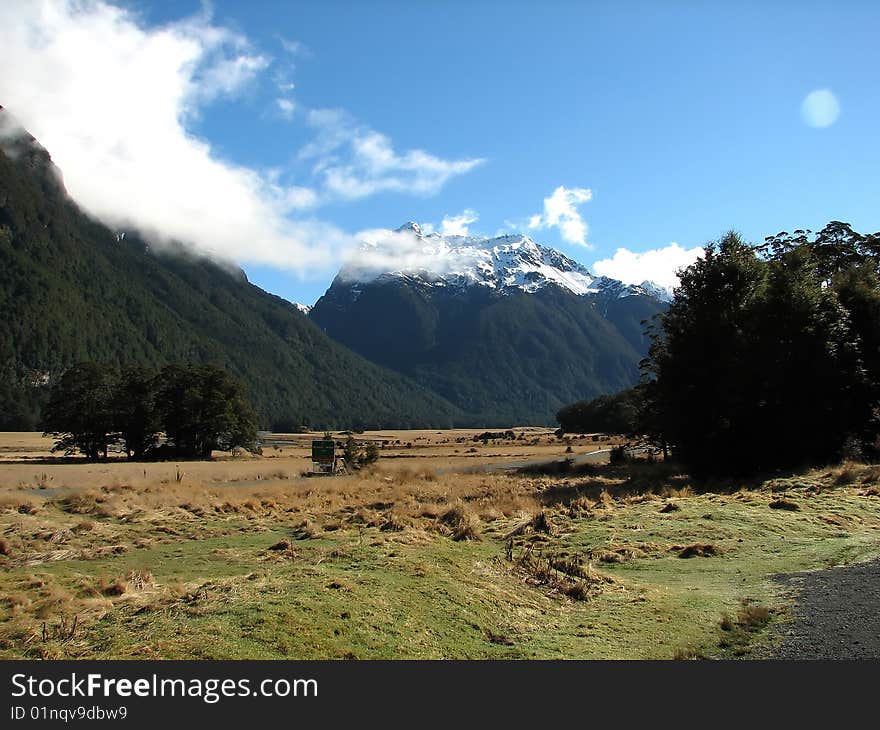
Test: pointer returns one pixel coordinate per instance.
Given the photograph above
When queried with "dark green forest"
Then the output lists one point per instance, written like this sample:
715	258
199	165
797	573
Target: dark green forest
768	357
511	358
72	290
617	413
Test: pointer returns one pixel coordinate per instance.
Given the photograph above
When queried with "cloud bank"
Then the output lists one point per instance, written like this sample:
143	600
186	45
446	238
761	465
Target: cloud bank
658	265
560	211
113	101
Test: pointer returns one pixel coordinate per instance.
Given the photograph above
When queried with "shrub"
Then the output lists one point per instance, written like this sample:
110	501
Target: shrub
619	455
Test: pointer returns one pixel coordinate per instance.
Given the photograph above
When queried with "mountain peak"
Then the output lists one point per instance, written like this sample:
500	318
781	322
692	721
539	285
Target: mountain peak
505	263
412	227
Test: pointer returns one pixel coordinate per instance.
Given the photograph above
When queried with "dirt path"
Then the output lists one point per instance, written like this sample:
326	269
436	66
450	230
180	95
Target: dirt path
836	614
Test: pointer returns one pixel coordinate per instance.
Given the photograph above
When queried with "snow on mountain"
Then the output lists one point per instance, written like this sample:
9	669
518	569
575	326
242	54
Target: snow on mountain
663	293
504	263
304	308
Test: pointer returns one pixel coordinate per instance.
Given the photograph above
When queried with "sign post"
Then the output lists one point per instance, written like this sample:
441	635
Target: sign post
324	456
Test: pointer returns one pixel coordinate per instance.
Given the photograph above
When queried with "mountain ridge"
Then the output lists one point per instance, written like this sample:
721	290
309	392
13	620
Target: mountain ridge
507	262
502	327
72	289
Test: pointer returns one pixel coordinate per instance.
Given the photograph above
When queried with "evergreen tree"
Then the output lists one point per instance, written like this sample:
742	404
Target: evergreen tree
702	352
618	413
72	290
371	453
768	357
202	409
351	454
79	412
135	416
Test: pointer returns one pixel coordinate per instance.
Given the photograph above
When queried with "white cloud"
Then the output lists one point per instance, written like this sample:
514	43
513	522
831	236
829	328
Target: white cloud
457	225
384	250
353	161
295	47
820	108
111	99
286	107
227	76
657	265
560	211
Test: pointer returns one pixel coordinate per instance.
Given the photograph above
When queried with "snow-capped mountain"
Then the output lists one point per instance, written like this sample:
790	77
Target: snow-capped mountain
503	263
304	308
504	328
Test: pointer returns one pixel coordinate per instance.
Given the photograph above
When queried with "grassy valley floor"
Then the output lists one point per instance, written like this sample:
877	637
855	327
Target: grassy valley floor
424	561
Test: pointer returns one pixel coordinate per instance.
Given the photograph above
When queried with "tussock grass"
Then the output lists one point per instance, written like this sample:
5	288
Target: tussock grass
564	575
115	587
535	524
17	503
395	522
753	616
785	504
64	554
461	523
204	563
625	553
697	550
689	653
870	475
739	631
139	580
306	530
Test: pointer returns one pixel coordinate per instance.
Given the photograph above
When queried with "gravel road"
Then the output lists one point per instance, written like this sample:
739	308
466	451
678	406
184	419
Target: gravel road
836	614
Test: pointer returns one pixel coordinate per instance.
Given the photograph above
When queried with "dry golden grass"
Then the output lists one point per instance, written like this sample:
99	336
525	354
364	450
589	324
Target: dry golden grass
79	541
26	459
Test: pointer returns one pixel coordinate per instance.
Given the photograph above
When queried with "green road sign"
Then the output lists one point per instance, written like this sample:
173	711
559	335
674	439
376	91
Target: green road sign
324	452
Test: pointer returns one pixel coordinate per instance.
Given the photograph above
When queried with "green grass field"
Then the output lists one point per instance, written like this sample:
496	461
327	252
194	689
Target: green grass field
631	562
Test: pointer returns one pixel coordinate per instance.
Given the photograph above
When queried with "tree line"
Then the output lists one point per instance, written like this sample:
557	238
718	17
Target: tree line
767	358
94	408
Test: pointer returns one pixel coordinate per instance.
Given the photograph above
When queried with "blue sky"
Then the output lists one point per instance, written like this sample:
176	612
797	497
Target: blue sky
681	119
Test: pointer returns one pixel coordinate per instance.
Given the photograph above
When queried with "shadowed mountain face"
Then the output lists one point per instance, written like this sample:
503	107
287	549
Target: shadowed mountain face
72	289
504	328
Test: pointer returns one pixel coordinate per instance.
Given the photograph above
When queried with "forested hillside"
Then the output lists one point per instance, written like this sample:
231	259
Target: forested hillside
513	357
71	290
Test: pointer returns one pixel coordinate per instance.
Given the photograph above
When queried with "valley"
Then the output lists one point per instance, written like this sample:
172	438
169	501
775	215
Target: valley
424	554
